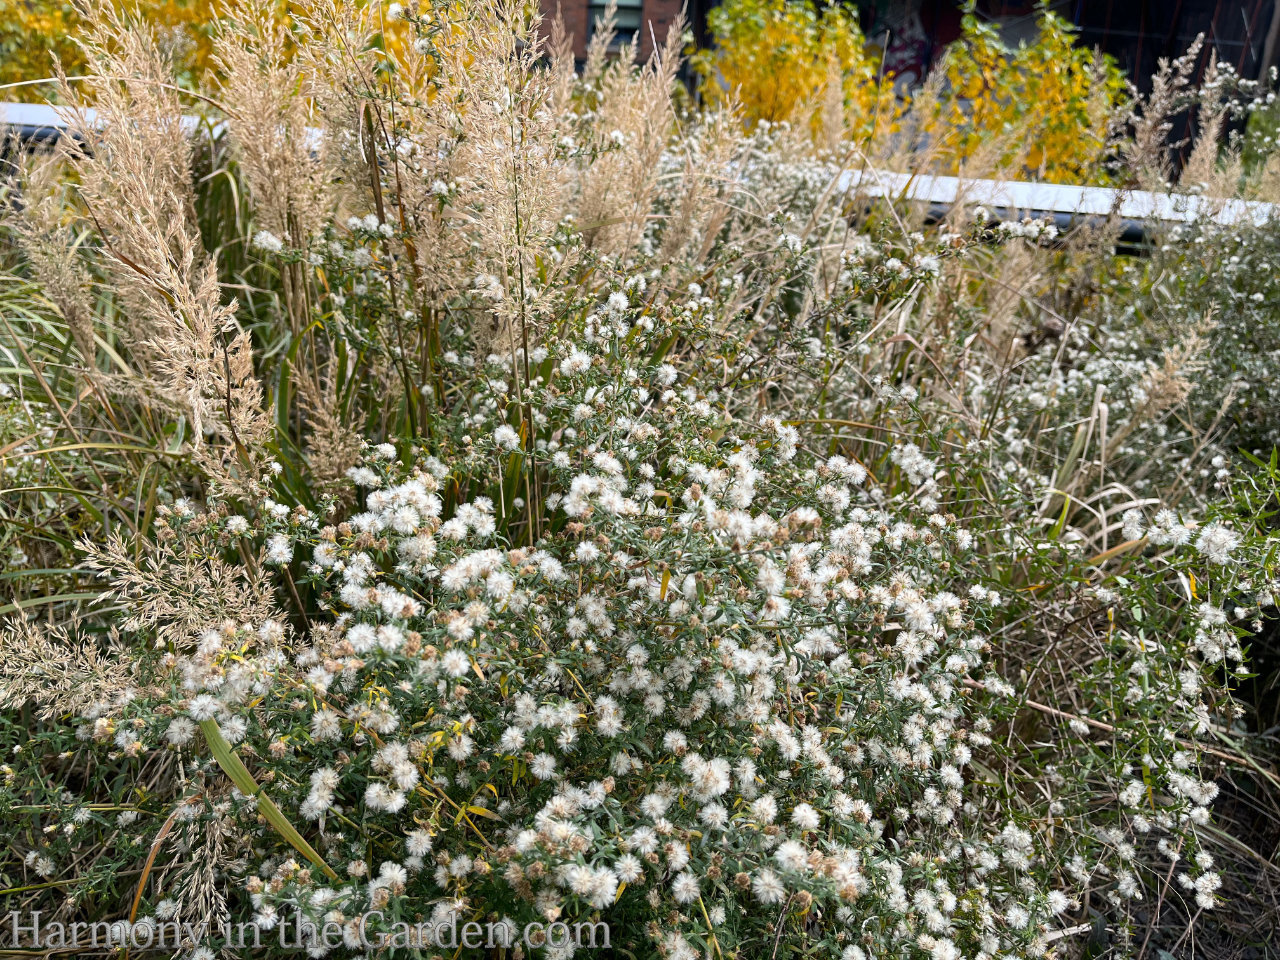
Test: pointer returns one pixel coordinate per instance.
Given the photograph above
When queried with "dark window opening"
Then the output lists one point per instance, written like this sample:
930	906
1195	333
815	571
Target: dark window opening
627	24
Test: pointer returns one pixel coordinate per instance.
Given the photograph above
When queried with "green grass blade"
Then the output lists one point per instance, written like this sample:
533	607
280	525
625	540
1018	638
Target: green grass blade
239	774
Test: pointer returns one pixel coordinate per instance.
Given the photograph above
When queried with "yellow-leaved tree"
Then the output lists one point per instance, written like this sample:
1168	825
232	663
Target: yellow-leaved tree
34	32
785	61
1043	110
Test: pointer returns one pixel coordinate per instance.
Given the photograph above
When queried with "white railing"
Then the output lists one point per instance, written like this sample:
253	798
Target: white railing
1005	199
1015	198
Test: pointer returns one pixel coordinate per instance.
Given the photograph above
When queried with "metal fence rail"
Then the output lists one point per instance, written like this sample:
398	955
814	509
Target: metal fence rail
41	123
1064	204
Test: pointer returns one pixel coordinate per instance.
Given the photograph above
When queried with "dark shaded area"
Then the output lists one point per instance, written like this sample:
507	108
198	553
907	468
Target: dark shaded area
1136	33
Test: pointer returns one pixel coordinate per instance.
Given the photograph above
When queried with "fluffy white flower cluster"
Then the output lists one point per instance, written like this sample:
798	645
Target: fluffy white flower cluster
745	688
708	676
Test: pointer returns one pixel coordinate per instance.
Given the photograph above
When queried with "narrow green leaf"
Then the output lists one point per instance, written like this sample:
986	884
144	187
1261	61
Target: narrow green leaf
53	598
239	774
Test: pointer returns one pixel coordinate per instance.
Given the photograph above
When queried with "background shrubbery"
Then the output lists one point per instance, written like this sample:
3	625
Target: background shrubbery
1045	109
32	34
568	503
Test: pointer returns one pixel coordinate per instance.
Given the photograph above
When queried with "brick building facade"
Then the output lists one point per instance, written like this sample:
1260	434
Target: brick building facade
649	19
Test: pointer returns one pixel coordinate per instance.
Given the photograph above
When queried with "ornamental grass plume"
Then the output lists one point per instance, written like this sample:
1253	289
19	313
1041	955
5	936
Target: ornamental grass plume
132	160
49	670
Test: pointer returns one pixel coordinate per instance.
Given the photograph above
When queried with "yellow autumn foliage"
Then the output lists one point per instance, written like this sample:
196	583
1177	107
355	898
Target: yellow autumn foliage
780	59
1042	110
34	32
